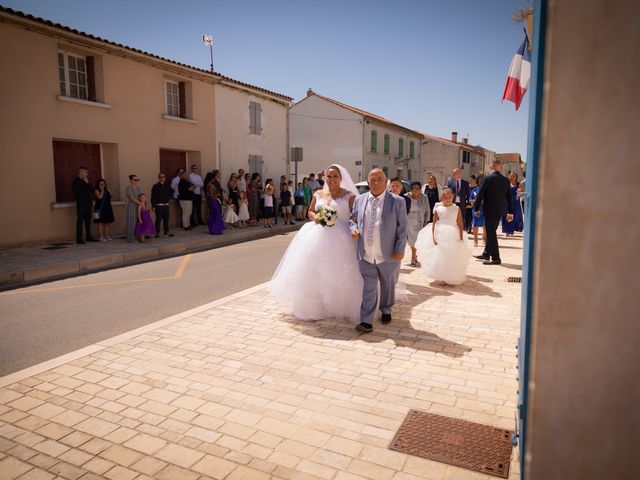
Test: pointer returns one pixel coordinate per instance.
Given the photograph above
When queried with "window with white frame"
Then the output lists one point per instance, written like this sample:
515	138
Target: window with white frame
72	73
173	98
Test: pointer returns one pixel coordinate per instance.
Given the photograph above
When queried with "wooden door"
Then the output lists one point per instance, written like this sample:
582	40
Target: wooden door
171	161
67	158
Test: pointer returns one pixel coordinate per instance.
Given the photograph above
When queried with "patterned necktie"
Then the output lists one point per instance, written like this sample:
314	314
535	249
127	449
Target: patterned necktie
371	221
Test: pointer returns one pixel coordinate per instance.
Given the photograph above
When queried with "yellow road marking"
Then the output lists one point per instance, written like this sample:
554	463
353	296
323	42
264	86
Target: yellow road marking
177	275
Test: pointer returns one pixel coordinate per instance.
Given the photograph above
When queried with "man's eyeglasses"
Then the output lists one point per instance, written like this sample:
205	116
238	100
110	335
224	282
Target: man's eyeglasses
136	179
415	188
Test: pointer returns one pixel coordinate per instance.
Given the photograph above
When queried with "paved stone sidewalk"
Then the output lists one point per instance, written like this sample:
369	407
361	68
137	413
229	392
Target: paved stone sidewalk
23	265
238	389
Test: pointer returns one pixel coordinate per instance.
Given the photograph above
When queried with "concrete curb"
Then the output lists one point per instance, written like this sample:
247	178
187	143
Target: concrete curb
96	347
96	261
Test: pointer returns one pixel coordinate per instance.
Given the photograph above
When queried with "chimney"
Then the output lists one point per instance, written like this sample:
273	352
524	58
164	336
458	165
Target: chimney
454	137
309	92
465	140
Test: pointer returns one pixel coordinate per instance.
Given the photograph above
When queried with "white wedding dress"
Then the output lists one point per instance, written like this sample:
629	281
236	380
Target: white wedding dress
448	260
318	275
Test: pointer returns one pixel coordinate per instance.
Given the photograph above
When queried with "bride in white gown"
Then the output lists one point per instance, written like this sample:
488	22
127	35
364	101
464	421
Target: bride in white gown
318	275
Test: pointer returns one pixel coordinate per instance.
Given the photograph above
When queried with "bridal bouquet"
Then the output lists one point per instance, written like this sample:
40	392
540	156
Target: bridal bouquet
326	216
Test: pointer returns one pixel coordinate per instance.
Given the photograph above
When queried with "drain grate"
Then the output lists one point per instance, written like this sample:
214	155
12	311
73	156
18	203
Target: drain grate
457	442
514	279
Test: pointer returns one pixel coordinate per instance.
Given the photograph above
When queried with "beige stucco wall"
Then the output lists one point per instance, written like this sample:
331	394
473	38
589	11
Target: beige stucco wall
132	131
584	421
381	160
438	159
235	143
328	134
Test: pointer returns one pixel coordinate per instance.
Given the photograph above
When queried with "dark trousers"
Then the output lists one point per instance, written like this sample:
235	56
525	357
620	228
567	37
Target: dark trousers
162	215
468	219
491	249
83	215
463	212
196	214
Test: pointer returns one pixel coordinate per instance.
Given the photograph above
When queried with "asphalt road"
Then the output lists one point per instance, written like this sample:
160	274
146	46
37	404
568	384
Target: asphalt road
42	322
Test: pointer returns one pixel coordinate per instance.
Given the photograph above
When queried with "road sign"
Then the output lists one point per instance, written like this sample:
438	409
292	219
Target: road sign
296	154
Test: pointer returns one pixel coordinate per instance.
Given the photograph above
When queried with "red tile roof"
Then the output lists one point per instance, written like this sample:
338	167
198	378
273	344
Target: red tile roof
360	112
49	23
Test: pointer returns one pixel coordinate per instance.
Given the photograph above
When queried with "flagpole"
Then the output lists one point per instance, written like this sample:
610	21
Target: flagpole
208	40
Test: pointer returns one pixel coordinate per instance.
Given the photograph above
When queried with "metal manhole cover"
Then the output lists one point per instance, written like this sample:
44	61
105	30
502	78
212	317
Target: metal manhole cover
457	442
514	279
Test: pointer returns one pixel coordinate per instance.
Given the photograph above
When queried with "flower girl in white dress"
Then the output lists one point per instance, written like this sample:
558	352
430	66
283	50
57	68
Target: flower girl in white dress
443	248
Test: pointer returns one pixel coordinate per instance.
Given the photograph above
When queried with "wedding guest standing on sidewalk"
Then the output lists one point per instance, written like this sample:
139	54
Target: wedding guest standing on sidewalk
492	195
478	220
132	192
196	180
82	194
144	223
102	210
185	194
517	225
161	192
216	224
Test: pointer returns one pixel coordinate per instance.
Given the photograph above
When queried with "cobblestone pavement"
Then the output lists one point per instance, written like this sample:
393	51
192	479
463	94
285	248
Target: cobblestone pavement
238	389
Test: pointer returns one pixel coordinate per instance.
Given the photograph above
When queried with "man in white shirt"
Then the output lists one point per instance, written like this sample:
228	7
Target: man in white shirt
174	186
379	225
196	180
242	183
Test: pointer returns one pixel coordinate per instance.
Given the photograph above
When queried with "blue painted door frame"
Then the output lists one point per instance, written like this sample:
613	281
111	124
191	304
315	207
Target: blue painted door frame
533	153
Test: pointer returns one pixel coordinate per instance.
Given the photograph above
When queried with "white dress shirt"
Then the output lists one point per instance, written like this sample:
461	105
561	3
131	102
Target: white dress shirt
373	254
174	185
242	185
196	180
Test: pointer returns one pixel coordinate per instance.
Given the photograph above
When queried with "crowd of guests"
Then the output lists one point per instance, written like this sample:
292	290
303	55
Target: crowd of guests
242	202
246	201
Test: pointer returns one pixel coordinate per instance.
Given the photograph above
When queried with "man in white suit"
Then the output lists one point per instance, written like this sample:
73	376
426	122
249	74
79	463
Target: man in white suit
379	225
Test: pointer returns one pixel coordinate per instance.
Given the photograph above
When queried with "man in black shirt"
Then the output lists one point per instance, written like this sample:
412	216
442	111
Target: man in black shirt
185	194
82	194
161	192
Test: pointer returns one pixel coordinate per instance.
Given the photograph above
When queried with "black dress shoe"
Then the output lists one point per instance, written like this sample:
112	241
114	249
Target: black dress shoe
386	319
80	242
91	239
492	262
482	257
364	328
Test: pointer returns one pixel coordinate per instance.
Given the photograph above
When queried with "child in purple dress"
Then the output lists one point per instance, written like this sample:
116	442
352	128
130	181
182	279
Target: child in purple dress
144	223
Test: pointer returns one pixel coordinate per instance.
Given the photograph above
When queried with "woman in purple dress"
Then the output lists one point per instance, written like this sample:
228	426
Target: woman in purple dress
216	224
144	223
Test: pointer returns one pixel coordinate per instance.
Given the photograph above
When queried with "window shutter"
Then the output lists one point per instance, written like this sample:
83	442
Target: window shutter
400	146
181	100
91	79
258	119
386	144
411	149
252	117
374	141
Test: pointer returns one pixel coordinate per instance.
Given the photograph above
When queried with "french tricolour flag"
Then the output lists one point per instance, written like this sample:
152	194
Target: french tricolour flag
519	75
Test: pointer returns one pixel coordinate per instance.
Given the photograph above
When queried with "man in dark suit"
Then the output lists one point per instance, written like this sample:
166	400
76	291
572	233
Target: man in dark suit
493	194
460	189
82	193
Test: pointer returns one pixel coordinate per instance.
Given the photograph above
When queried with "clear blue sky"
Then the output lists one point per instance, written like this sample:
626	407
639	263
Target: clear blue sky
433	65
